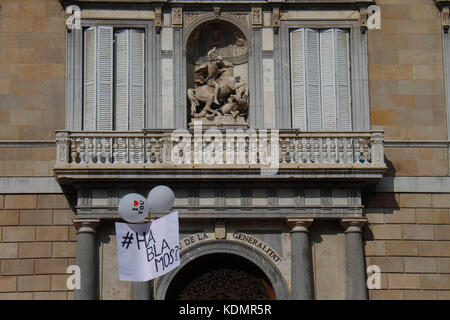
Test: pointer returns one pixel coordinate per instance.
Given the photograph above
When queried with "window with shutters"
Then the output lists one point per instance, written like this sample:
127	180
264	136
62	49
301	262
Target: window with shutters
320	79
113	78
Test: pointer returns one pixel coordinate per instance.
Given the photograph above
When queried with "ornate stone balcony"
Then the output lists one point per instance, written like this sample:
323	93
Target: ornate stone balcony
218	154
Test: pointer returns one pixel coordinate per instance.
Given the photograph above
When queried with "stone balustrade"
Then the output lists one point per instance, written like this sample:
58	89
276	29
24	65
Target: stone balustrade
219	148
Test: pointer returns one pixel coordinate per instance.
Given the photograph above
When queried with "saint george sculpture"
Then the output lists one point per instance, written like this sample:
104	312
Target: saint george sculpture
218	97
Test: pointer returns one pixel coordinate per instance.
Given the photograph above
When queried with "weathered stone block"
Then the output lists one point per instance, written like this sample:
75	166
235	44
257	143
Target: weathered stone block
375	248
442	232
52	233
441	200
421	295
59	282
53	202
35	217
9	217
8	283
64	249
27	201
51	266
388	264
404	281
17	267
386	294
400	216
402	248
443	265
436	281
432	216
418	232
35	250
434	248
62	217
9	250
420	265
33	283
18	234
386	231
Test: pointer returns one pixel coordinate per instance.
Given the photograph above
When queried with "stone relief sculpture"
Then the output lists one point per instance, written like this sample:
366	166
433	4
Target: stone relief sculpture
218	96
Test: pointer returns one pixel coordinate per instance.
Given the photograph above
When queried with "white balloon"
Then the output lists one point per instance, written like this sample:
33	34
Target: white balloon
161	199
133	207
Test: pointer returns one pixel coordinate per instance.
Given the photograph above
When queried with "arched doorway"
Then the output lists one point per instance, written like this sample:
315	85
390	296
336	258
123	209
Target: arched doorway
270	272
220	276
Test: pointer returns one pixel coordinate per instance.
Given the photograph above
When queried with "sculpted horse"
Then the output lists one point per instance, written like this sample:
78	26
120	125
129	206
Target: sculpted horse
204	94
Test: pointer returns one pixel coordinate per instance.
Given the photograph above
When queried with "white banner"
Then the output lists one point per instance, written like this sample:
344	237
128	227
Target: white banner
147	251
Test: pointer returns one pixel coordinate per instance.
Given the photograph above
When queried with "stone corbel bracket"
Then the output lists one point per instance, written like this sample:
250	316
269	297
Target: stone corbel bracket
158	18
363	19
444	5
276	19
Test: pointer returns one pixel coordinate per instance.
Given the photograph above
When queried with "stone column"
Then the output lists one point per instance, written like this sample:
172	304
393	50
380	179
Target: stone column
142	290
354	259
87	259
301	260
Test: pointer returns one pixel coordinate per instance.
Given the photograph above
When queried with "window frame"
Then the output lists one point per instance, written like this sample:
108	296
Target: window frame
360	106
75	66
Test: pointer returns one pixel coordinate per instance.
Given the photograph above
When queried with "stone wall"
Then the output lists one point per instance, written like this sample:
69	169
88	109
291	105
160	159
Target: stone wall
406	80
32	73
408	237
37	244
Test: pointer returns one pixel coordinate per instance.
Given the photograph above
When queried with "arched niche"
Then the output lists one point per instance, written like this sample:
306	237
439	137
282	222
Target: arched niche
229	38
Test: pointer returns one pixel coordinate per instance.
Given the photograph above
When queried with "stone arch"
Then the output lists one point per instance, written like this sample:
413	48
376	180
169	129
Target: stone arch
210	17
269	269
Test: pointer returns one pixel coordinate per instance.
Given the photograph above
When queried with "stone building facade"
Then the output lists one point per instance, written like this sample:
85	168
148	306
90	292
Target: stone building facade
362	149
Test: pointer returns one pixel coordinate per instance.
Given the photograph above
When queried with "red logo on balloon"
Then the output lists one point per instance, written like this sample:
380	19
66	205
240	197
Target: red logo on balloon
136	203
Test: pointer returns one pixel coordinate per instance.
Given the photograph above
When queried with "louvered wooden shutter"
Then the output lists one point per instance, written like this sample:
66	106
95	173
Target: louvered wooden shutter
121	80
343	98
313	98
328	78
129	77
298	92
90	79
105	77
137	72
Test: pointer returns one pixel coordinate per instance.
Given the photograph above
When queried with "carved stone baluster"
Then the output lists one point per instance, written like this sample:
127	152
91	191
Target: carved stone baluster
283	150
99	150
140	145
108	151
158	150
324	155
132	150
299	151
340	151
124	145
90	150
333	150
148	150
357	150
366	151
349	150
308	152
73	151
253	148
187	147
292	151
115	151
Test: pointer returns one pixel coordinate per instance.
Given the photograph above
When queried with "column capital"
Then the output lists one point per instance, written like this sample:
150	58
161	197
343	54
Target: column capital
86	225
353	225
299	225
